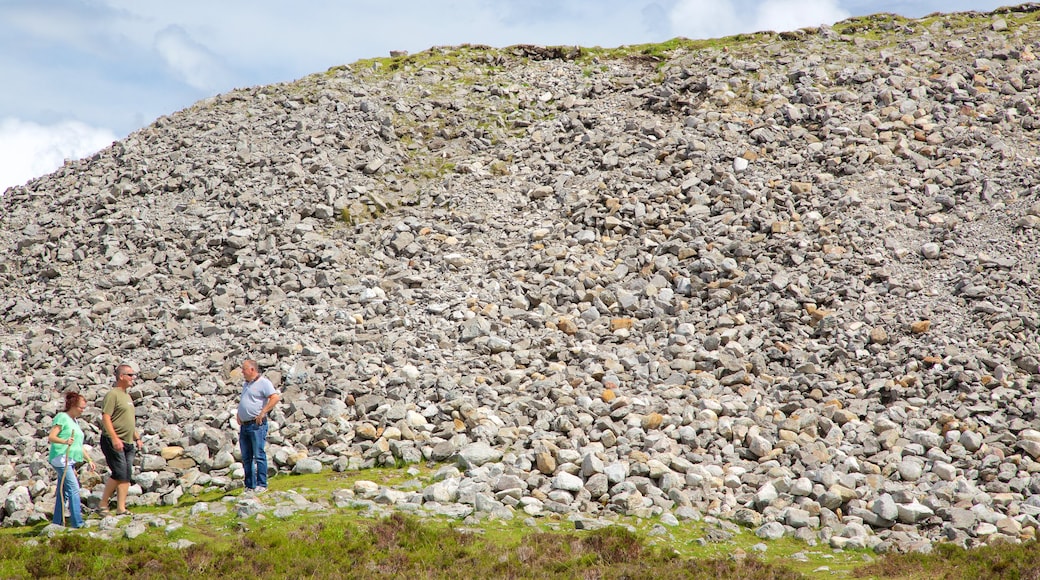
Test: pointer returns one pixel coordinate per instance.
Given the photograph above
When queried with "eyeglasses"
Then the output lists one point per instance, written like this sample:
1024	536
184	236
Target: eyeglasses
131	375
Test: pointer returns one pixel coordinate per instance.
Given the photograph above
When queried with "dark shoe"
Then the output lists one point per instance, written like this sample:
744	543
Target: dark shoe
103	512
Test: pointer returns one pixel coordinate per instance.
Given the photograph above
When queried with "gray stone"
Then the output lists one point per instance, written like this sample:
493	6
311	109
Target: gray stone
770	531
913	513
477	454
307	465
885	508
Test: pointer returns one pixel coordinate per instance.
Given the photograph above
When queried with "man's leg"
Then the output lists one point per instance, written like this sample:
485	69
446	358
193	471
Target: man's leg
110	487
260	452
126	476
245	444
112	458
121	490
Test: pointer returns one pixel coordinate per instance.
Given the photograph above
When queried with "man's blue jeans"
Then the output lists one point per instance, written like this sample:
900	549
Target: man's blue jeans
69	492
252	440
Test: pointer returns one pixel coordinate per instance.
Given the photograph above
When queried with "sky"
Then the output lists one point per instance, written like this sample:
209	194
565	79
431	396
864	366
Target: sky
80	74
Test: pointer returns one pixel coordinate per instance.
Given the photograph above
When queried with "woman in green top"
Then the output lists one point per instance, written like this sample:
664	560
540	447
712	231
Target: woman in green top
66	440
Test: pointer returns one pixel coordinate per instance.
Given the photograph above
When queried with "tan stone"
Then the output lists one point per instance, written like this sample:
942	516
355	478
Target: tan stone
608	395
545	462
1009	526
652	421
817	314
842	417
567	326
820	451
846	494
619	323
171	452
878	335
920	327
888	438
181	463
366	431
295	457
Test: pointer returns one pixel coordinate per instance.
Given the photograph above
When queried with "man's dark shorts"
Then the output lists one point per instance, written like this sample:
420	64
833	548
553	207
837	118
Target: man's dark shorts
119	462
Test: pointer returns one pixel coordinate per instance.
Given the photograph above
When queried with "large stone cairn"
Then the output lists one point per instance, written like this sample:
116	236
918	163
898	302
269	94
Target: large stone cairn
787	281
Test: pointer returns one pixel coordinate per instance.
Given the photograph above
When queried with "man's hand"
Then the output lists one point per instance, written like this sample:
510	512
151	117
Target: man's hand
117	443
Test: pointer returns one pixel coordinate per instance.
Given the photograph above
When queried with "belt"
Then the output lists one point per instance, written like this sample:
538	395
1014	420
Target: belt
252	422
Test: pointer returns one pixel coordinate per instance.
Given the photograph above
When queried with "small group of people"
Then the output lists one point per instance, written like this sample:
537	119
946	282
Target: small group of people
120	440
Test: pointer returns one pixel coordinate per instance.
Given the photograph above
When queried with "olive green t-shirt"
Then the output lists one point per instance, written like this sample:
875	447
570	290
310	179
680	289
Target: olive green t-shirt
118	405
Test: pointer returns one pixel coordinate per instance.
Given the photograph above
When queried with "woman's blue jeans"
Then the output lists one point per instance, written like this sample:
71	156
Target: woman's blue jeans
252	440
67	493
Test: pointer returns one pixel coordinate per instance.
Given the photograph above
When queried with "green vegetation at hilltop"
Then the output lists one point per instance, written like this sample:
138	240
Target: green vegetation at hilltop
876	27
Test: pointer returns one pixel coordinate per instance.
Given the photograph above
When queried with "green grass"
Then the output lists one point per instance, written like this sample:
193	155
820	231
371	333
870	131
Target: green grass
395	546
357	542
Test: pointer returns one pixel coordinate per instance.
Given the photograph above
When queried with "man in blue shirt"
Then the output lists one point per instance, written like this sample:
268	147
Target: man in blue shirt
258	398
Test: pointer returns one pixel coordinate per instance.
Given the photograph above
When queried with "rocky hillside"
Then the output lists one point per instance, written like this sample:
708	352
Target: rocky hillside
787	280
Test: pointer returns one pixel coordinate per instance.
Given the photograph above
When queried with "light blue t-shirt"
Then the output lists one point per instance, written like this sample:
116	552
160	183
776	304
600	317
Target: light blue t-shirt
254	397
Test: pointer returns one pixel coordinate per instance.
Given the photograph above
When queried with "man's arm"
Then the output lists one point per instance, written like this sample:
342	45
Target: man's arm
271	402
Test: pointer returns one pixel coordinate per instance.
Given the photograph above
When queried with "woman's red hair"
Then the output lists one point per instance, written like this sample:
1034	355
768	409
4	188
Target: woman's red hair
72	398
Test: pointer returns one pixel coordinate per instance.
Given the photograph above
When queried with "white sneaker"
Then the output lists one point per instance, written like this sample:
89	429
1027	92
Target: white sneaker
260	490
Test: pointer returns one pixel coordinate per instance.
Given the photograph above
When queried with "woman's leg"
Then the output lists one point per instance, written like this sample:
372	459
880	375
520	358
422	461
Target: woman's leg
59	501
74	519
61	513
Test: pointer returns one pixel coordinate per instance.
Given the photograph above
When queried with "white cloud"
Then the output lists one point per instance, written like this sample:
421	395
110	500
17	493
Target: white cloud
714	18
29	150
780	15
704	19
192	62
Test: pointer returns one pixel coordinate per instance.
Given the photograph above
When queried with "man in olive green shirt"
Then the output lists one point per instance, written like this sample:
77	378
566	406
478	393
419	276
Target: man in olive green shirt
118	435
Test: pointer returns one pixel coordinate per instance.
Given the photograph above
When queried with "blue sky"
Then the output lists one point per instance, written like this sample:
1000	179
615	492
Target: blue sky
80	74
